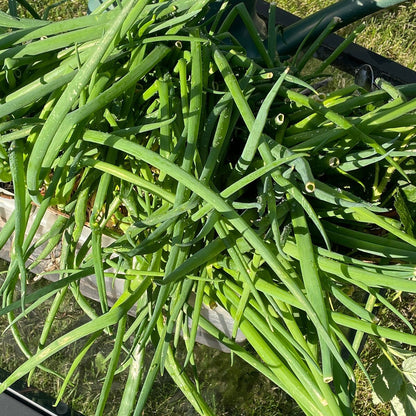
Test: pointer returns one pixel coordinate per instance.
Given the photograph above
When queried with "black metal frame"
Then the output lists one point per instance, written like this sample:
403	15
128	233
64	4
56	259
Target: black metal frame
22	400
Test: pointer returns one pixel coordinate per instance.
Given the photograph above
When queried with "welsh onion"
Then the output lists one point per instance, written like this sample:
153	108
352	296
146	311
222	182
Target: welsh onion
212	174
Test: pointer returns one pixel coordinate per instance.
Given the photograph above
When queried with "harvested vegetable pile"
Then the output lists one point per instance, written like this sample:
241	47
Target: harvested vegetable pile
223	180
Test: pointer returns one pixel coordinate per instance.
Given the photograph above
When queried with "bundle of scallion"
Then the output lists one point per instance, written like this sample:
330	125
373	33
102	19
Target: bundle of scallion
220	180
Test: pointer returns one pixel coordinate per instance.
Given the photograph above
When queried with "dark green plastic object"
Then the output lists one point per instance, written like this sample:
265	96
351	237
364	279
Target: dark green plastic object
348	11
291	37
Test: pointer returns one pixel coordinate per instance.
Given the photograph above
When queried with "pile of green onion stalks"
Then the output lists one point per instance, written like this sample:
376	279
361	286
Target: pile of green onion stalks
217	176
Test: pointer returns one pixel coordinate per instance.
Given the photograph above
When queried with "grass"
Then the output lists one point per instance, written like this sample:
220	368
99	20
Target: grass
55	9
392	34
